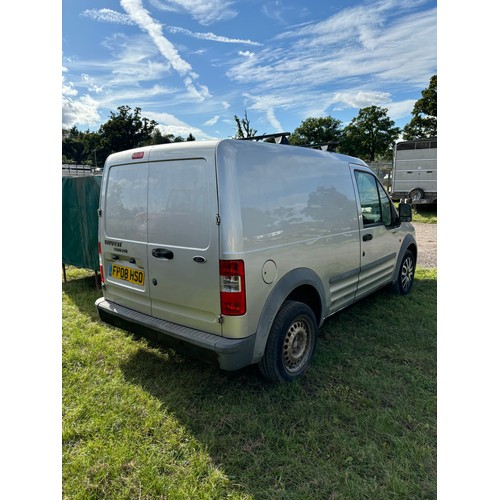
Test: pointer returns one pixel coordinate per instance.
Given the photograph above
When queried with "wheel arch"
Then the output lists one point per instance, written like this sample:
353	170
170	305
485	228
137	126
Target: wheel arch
300	285
409	243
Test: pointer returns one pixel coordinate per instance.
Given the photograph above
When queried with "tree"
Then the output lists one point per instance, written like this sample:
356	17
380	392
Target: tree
424	122
158	138
73	147
126	130
317	131
370	135
243	128
80	147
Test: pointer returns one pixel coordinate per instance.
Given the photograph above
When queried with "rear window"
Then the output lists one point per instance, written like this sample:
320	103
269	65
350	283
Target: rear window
126	203
179	205
164	203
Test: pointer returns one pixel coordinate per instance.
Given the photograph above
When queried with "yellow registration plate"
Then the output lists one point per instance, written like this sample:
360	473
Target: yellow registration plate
135	276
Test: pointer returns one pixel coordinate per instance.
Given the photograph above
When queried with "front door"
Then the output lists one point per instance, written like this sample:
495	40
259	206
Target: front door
380	240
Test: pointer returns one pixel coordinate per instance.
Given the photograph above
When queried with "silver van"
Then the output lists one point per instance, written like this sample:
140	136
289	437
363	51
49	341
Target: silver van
239	250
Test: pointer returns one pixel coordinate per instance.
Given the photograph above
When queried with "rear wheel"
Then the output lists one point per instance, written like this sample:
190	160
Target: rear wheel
406	274
291	343
416	194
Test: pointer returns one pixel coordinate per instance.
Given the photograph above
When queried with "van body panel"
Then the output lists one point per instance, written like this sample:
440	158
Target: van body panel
379	256
291	206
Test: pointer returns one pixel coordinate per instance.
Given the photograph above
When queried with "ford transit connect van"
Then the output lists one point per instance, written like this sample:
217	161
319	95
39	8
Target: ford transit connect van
239	250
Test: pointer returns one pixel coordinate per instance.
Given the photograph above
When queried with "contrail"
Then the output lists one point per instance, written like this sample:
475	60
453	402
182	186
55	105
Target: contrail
141	17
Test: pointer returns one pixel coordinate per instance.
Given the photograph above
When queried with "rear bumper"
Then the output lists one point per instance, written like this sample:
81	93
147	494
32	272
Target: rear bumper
230	354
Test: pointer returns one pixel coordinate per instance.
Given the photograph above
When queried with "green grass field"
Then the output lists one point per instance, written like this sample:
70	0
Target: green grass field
141	422
426	214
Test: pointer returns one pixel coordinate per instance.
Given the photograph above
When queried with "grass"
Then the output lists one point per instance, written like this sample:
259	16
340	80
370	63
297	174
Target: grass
140	421
425	213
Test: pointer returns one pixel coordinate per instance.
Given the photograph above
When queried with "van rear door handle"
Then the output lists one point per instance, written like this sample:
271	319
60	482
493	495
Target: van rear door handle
162	253
367	237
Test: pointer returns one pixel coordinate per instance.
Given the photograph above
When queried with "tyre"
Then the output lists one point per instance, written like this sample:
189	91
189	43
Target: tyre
291	343
406	274
416	194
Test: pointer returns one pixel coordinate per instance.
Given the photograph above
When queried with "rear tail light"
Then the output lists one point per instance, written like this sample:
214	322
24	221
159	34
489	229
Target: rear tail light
232	287
100	261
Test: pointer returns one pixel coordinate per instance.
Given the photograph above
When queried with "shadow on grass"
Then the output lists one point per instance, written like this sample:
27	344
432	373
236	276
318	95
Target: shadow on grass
361	423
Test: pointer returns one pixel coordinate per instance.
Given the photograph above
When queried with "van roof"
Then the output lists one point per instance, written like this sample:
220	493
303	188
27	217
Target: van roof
176	149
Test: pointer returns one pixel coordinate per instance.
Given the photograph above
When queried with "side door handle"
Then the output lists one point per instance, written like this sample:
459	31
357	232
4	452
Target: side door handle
367	237
162	253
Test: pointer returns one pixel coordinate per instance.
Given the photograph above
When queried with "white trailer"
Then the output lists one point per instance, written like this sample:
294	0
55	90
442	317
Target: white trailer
414	174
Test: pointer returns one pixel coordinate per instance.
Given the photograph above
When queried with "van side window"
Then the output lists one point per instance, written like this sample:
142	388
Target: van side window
375	204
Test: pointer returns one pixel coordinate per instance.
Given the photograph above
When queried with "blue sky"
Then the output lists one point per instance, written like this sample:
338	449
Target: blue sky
191	65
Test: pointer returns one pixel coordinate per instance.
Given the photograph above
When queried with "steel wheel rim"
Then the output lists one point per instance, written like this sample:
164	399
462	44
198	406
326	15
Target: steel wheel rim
297	345
407	273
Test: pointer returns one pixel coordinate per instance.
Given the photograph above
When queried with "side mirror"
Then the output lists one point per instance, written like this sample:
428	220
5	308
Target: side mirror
405	212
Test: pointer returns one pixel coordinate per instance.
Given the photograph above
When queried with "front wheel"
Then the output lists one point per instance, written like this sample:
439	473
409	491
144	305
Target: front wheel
406	274
291	343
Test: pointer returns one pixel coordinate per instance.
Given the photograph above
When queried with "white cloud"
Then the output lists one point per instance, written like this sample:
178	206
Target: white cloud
134	96
359	99
212	121
273	120
246	53
83	110
134	59
141	16
199	92
170	124
267	105
204	11
107	16
210	36
400	109
278	10
91	85
328	61
68	88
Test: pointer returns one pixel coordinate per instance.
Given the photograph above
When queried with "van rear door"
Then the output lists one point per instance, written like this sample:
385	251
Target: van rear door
123	232
183	243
